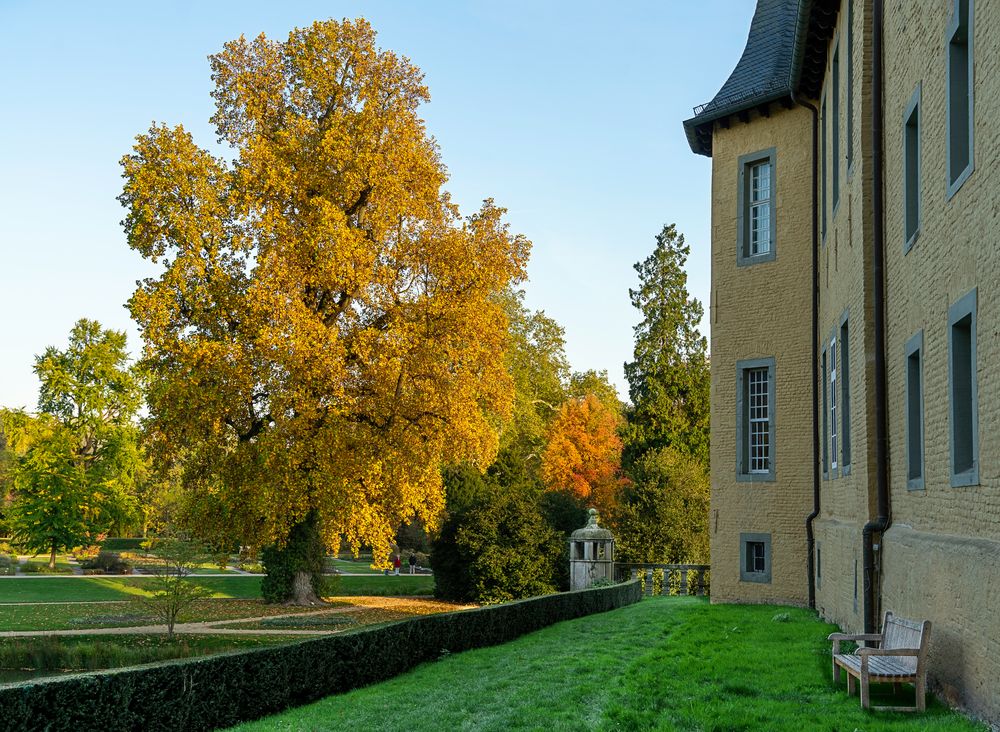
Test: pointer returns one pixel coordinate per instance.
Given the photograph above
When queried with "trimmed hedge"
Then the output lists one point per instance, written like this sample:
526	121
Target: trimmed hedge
120	544
220	691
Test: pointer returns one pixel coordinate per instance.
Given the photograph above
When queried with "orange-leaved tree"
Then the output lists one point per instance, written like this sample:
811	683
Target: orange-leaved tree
326	329
583	452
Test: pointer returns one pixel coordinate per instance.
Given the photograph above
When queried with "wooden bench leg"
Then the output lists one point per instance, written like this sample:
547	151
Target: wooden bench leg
920	685
850	684
865	691
836	673
896	686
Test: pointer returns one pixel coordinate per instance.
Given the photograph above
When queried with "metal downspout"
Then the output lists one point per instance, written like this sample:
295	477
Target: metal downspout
882	519
810	537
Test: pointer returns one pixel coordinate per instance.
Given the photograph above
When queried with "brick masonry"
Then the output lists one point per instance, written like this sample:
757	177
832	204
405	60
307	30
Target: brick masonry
940	559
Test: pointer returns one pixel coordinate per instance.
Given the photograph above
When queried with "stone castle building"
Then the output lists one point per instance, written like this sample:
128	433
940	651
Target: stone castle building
855	322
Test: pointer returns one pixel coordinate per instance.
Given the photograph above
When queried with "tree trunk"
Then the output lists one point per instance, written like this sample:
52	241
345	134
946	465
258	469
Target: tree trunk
302	591
52	558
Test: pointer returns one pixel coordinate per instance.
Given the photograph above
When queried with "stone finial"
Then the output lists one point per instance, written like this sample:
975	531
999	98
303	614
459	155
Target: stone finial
592	521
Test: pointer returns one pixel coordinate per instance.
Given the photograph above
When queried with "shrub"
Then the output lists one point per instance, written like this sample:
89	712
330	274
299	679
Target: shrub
106	563
119	544
222	690
495	545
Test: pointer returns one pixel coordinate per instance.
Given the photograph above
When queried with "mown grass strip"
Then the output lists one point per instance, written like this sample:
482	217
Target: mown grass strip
94	589
664	664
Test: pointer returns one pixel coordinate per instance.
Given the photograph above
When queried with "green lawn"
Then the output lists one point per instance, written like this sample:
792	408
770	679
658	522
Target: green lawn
77	615
92	589
664	664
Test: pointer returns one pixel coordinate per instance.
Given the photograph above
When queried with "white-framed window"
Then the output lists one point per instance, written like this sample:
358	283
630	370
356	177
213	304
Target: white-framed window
760	208
759	418
755	557
833	405
756	204
755	420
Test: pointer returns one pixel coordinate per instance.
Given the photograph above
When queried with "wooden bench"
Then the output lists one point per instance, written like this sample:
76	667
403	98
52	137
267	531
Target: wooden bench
901	656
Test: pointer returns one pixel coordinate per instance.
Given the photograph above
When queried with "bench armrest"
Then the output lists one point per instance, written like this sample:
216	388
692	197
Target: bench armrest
888	652
855	637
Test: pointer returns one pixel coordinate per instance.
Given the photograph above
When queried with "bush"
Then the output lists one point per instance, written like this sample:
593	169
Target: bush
495	545
119	544
106	563
7	564
222	690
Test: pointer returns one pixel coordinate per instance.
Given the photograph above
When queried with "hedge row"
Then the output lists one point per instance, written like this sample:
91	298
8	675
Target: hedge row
120	544
219	691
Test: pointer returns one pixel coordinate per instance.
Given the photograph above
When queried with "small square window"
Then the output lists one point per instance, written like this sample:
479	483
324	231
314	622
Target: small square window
755	557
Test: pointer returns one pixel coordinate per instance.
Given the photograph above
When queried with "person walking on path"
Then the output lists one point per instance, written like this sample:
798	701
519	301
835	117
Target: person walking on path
397	564
413	563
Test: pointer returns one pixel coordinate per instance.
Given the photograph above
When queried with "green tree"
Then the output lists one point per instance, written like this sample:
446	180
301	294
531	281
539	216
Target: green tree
582	383
79	460
326	328
172	589
537	363
669	376
662	515
494	545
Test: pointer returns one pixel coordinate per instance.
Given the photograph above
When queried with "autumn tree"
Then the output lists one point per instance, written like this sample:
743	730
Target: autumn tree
669	376
326	330
583	452
78	460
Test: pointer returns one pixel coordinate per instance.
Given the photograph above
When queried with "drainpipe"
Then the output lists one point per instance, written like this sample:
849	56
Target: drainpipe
882	519
810	536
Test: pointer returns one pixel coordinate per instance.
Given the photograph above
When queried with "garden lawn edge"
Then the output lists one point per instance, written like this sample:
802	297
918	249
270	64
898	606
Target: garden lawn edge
223	690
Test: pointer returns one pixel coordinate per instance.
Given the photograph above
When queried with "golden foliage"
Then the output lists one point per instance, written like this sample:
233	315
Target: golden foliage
583	453
326	330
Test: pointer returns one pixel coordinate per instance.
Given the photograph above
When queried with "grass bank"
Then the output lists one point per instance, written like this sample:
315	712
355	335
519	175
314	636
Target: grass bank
22	658
97	589
664	664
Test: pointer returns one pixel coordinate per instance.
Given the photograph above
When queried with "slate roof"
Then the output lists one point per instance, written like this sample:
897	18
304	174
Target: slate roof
771	66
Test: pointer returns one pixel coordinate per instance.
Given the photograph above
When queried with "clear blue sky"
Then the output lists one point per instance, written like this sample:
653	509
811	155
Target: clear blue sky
567	113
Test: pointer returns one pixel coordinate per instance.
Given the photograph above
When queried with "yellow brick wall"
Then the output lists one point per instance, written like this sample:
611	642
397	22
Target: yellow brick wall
756	312
941	558
845	279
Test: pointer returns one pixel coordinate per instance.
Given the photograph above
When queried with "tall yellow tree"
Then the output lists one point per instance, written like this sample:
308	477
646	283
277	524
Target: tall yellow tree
326	329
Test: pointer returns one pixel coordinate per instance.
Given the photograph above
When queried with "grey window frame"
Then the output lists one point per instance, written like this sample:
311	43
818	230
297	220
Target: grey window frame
743	474
823	166
915	403
759	577
964	307
912	154
955	183
835	127
844	374
743	256
850	89
826	407
833	385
